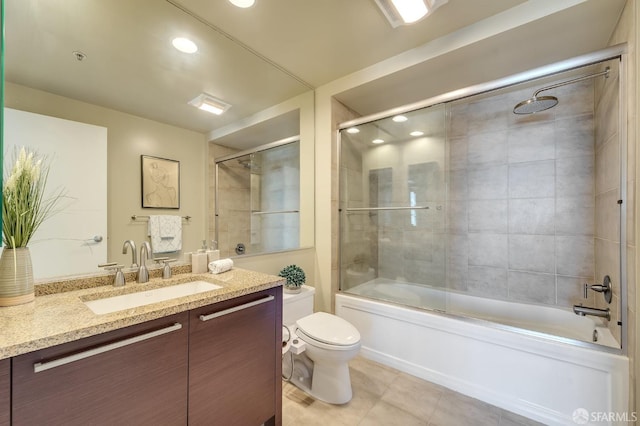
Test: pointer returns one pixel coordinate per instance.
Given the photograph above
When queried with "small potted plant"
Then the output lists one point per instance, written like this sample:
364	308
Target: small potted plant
295	278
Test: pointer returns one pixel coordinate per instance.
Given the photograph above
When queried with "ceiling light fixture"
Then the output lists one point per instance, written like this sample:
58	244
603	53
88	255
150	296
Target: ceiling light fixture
377	141
353	130
243	3
210	104
184	45
404	12
399	118
416	133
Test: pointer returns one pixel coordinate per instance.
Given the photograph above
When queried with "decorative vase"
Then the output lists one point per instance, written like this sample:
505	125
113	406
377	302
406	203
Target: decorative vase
16	277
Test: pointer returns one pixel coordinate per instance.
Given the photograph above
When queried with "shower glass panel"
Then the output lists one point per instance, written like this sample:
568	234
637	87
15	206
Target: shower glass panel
257	201
392	229
533	219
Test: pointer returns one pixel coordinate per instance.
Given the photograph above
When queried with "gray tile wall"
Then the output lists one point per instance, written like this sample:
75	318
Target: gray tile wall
521	198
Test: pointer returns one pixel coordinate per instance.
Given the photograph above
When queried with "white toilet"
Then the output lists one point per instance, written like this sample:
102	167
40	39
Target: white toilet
321	346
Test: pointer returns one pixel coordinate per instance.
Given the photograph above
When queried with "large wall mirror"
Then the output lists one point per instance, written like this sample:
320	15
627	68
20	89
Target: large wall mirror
110	65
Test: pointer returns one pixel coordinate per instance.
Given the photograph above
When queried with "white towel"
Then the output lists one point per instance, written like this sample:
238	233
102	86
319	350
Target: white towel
166	233
220	266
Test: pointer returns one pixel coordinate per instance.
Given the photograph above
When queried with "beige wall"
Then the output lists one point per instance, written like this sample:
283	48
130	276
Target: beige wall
128	137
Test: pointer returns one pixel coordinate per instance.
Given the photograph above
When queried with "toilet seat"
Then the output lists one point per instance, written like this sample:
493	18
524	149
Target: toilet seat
328	331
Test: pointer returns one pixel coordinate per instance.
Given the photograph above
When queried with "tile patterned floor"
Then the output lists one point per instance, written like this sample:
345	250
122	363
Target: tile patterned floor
384	396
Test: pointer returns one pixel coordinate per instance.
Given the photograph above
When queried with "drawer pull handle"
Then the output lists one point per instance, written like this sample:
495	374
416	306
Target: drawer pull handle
42	366
236	308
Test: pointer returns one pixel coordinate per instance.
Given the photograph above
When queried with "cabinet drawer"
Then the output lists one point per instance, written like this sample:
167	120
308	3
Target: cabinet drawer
136	375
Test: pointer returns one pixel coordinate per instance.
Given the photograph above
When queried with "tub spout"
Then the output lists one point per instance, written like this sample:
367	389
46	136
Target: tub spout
586	310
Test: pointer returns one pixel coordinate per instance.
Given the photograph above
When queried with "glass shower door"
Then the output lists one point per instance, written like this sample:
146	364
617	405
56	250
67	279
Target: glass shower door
392	227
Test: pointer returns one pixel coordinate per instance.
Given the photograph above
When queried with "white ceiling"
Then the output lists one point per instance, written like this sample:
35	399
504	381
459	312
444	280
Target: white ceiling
258	57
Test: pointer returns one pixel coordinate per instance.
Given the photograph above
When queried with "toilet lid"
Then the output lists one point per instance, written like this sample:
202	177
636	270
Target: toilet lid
329	329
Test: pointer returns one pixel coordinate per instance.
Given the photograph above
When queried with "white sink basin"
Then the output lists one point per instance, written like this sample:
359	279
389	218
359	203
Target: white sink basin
147	297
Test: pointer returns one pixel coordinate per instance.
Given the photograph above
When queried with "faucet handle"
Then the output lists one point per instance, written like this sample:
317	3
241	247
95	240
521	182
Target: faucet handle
118	280
604	288
166	270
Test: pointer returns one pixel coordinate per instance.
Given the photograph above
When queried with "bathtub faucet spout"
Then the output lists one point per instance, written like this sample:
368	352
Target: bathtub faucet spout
586	310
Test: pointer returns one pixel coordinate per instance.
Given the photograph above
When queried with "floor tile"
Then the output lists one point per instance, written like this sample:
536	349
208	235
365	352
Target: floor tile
385	396
383	414
413	395
460	410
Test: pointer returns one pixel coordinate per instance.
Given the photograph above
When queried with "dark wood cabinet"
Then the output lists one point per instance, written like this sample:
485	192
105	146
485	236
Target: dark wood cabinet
235	361
136	375
5	392
216	365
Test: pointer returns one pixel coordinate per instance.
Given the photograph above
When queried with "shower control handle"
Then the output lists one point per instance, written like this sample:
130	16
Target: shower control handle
604	288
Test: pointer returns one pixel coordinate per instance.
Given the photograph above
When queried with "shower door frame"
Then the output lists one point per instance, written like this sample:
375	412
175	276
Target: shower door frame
618	51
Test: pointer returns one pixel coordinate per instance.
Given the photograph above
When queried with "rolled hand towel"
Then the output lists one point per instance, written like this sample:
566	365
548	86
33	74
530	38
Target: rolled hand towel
219	266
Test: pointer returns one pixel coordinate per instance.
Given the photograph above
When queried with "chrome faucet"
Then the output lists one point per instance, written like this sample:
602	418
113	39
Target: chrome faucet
586	310
143	272
605	289
134	259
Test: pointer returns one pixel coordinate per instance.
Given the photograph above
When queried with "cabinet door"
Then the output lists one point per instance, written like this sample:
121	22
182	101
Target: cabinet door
5	392
133	376
235	361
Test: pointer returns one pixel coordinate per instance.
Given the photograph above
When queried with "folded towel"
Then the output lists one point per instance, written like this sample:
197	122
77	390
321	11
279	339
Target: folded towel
219	266
166	233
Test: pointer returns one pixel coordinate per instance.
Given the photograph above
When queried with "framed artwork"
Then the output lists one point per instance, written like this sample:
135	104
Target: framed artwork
160	183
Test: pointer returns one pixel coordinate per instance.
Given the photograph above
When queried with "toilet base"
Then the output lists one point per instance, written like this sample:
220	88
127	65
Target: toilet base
327	383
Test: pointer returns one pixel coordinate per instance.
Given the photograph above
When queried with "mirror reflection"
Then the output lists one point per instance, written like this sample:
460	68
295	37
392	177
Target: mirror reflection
131	83
258	200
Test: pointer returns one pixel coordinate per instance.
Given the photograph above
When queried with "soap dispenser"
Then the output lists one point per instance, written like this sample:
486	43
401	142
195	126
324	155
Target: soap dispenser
213	253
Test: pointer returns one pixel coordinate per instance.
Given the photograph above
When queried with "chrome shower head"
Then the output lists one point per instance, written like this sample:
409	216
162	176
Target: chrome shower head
541	103
535	104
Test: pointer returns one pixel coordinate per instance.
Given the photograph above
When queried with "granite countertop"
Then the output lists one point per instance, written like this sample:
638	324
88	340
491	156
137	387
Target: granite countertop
62	317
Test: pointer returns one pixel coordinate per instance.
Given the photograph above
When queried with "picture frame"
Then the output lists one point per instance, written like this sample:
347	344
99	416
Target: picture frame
160	178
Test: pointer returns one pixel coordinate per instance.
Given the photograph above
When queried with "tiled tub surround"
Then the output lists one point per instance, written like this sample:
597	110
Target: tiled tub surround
521	196
531	210
62	317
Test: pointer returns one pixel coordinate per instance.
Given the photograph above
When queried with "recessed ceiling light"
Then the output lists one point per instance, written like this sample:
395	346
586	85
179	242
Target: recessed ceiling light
184	45
417	133
404	12
242	3
377	141
399	118
210	104
410	10
353	130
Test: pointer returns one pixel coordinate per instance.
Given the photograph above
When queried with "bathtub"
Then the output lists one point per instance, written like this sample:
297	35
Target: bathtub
536	361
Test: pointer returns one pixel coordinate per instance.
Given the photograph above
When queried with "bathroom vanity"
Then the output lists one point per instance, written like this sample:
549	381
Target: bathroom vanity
207	359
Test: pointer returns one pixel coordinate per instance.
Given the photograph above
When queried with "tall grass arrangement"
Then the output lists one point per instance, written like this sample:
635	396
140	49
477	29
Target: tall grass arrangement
24	206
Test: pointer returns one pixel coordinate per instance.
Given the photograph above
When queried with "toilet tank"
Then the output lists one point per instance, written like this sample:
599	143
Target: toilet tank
297	305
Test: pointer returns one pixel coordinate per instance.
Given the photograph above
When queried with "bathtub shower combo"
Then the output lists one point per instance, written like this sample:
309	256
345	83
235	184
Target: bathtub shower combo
483	239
